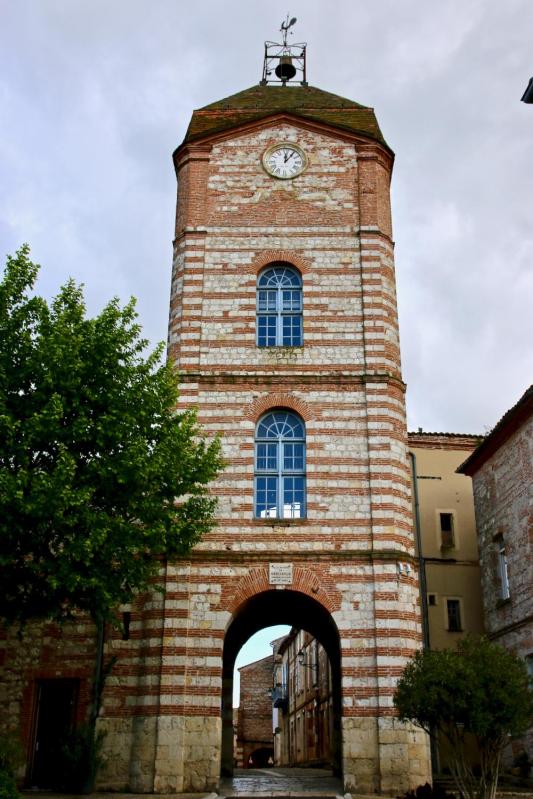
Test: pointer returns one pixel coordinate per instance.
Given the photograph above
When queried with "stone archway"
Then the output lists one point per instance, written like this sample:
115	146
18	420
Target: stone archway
264	609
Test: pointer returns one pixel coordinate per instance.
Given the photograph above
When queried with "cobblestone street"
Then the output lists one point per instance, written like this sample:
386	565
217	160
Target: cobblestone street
313	782
292	783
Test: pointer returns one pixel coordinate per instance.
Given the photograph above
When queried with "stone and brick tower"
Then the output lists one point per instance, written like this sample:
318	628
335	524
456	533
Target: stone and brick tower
284	330
283	326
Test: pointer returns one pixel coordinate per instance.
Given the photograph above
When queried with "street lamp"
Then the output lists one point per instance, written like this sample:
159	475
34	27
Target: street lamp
302	660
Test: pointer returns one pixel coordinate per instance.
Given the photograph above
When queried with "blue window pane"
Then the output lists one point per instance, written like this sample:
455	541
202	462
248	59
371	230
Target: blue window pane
291	300
280	424
266	300
292	331
279	276
266	331
293	457
293	497
267	457
266	493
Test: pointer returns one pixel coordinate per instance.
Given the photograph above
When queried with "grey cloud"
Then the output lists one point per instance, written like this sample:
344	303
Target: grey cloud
96	95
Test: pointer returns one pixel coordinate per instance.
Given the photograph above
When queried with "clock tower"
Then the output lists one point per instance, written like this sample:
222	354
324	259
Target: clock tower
283	327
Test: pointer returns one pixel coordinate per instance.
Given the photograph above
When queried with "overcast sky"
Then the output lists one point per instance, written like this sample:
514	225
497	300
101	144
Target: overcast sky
96	94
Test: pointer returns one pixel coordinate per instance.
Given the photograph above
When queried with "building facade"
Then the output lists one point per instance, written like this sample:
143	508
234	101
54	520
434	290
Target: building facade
447	548
283	326
450	580
302	702
502	473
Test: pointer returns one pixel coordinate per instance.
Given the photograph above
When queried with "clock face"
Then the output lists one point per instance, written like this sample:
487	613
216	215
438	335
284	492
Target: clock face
284	160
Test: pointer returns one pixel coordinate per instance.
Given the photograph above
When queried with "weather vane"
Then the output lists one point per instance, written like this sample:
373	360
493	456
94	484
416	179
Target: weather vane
285	28
284	61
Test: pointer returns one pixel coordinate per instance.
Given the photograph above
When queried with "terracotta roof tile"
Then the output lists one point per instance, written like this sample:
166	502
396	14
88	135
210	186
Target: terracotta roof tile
449	441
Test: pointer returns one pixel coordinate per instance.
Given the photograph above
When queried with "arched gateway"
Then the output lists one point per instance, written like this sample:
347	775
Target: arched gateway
283	327
279	607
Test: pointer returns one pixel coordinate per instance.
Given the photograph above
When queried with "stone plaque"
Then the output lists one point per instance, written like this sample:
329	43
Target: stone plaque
280	573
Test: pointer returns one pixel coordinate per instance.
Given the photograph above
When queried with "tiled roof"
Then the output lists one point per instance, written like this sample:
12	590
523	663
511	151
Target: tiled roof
415	433
307	102
507	425
450	441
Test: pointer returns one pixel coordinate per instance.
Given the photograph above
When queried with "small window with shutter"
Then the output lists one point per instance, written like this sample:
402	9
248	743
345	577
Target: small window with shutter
503	569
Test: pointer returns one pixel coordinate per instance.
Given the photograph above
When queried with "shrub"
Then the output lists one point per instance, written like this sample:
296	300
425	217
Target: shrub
10	759
480	690
8	786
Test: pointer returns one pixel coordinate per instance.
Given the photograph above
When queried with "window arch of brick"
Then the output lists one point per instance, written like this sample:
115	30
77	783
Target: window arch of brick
269	257
272	401
279	464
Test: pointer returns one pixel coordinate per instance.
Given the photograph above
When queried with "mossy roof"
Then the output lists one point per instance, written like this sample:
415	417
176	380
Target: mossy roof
306	102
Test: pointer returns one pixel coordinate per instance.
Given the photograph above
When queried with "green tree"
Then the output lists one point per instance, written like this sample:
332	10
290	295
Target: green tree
99	476
479	689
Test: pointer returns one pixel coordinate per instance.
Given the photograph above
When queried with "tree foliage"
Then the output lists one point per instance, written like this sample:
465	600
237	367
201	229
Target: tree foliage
99	476
479	689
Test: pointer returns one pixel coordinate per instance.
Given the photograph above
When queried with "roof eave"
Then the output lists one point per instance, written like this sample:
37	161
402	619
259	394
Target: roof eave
307	120
508	424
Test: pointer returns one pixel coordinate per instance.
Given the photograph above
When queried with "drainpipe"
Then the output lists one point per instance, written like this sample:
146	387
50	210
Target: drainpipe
423	598
421	560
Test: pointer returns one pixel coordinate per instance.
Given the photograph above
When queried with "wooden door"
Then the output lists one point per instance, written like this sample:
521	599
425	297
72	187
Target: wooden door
55	714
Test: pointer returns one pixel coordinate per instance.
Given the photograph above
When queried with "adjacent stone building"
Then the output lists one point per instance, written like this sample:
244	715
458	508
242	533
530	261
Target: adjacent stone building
502	472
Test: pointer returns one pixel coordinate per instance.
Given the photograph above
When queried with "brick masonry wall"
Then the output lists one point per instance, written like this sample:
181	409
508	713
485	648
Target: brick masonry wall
503	489
333	224
503	496
255	707
41	651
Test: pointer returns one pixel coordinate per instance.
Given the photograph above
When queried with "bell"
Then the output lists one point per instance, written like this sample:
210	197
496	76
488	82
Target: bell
285	70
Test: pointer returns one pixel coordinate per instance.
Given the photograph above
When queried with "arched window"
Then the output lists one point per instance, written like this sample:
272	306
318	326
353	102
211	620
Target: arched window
280	466
279	307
